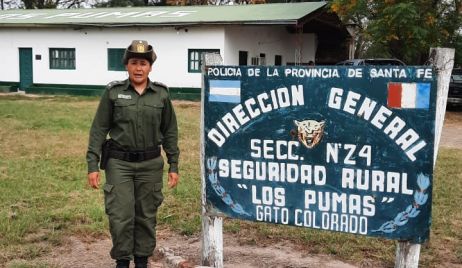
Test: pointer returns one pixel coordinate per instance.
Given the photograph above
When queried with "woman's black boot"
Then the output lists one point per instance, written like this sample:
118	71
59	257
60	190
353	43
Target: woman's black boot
141	262
123	263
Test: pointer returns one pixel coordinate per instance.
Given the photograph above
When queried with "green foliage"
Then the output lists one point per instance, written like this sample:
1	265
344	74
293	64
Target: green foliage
130	3
40	4
403	29
458	47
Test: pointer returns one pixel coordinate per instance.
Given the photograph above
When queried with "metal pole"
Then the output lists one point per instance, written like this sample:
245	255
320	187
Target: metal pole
442	60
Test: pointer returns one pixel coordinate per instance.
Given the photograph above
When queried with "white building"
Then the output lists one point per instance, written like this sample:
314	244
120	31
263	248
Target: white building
80	50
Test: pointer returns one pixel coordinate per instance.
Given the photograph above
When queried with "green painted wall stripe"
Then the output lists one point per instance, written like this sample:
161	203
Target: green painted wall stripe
176	93
6	86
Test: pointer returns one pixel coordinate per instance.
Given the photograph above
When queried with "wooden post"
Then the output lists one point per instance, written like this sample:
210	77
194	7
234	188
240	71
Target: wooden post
442	60
407	255
212	225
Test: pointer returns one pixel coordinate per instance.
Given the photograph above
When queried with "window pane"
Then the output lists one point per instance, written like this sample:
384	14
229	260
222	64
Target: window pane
195	57
114	59
62	58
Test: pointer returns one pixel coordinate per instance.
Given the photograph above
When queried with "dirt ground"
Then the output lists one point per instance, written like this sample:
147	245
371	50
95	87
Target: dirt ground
77	252
451	136
91	253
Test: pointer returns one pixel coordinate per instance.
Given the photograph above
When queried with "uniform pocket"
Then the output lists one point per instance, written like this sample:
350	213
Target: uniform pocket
148	200
153	111
123	109
154	105
157	193
109	197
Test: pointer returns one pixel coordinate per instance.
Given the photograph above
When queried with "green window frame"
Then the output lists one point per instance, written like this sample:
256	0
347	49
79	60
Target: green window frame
62	58
114	59
194	59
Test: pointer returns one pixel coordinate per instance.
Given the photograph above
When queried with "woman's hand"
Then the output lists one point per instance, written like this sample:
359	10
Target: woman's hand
173	179
93	179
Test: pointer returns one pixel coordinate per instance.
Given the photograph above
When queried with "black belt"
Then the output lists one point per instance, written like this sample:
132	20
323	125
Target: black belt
134	156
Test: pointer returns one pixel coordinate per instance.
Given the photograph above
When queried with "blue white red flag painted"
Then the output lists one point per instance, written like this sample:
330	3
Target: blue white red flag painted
409	95
225	91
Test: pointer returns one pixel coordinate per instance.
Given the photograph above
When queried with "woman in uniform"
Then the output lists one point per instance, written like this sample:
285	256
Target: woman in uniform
139	119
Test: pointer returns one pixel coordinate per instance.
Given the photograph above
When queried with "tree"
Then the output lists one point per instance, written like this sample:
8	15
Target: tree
403	29
48	4
130	3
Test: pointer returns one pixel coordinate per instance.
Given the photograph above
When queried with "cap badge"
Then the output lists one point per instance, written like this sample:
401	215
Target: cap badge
140	48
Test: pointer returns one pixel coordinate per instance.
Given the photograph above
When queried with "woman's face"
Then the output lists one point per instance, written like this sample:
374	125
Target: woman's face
138	70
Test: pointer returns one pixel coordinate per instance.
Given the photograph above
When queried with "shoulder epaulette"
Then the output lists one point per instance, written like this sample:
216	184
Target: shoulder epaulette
115	83
160	85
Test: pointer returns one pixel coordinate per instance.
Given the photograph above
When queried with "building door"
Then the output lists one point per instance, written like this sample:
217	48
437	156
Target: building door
25	68
243	55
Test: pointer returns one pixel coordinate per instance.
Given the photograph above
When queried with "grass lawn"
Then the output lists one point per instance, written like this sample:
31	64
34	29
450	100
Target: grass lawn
44	196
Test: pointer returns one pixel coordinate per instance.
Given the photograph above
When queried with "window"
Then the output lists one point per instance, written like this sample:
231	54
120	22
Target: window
277	60
262	60
243	55
62	58
114	59
194	58
255	61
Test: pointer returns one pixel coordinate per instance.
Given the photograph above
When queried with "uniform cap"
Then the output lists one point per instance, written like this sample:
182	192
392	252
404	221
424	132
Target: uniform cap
140	49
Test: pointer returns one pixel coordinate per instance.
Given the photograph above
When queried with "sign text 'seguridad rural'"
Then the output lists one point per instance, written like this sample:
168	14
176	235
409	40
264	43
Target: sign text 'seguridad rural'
331	148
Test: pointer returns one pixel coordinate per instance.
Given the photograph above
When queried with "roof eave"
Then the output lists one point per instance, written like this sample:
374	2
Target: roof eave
313	15
127	25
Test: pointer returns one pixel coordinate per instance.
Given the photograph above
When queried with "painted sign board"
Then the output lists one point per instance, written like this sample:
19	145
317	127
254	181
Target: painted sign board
331	148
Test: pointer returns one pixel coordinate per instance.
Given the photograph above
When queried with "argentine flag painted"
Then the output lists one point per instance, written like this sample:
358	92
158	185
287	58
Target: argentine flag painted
225	91
409	95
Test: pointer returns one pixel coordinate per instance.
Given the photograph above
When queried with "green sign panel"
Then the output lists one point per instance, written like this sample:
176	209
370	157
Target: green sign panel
332	148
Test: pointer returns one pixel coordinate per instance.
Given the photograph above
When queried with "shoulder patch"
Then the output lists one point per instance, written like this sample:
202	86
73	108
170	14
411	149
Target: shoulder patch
115	83
160	85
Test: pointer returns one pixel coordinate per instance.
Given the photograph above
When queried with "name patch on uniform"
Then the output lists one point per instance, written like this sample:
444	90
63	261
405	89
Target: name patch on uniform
122	96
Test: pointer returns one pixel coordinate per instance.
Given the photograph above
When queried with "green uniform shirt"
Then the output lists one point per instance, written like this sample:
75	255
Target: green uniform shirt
134	122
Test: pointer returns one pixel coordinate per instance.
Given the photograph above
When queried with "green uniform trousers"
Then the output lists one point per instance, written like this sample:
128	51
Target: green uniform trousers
132	194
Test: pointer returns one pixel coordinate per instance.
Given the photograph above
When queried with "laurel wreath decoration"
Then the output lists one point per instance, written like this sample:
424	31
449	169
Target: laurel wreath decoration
213	178
420	198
